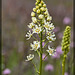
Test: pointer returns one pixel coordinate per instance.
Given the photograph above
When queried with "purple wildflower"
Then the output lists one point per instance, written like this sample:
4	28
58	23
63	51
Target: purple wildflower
60	35
49	67
66	20
6	71
66	73
71	45
56	29
44	56
58	50
43	43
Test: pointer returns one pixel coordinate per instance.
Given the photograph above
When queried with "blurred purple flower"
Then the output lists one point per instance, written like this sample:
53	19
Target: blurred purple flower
60	35
56	29
43	43
56	56
71	45
66	73
44	56
49	67
6	71
66	20
58	50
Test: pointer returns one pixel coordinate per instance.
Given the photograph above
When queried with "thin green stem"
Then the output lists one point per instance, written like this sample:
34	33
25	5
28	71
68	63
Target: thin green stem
41	51
34	37
35	68
46	44
63	65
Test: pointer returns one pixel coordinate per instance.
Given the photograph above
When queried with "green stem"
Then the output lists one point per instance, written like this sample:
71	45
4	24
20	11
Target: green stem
46	44
63	65
40	69
35	68
34	38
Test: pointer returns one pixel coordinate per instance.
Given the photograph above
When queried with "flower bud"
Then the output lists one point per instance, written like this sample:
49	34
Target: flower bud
32	14
42	2
49	18
44	5
46	12
34	19
66	40
41	16
40	5
38	11
34	9
37	7
42	9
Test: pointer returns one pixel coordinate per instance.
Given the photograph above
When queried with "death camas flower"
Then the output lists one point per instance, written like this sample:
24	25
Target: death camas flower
41	23
30	57
35	45
29	34
50	51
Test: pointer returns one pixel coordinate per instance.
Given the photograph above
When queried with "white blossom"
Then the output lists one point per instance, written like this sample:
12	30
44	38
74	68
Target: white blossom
30	57
31	25
34	19
37	29
51	37
35	46
29	34
50	50
49	26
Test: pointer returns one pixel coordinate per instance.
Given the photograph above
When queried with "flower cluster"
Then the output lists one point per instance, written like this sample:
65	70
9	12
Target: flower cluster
41	22
66	40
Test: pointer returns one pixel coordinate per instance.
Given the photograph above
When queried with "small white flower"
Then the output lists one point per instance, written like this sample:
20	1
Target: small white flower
47	25
35	45
30	57
37	29
50	50
34	19
51	26
51	38
29	34
49	33
31	25
32	14
41	16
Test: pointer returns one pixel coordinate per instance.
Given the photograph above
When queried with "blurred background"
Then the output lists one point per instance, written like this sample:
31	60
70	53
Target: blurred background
15	47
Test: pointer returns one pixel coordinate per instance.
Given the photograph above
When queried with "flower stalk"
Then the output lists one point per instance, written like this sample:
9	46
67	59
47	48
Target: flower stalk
41	25
65	46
